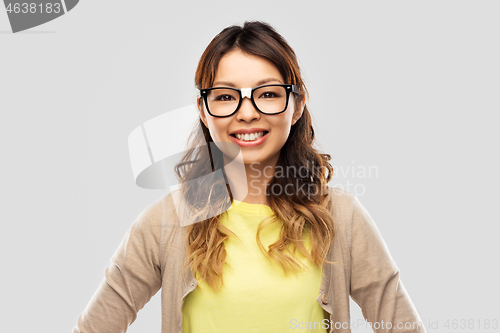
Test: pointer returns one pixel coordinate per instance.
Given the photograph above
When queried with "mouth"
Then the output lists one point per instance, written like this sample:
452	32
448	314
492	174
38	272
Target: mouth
249	140
249	137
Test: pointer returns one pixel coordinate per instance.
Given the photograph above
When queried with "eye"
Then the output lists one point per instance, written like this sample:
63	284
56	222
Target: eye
224	98
268	94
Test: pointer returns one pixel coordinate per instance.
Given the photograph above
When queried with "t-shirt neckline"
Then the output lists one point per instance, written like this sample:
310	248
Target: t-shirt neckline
253	209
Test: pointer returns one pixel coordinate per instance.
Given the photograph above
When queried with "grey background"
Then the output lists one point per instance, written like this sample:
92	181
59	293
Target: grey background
408	87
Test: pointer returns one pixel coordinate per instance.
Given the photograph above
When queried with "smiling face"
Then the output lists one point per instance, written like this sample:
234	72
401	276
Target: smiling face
242	70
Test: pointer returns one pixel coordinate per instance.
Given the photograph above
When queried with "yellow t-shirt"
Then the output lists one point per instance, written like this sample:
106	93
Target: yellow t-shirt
256	295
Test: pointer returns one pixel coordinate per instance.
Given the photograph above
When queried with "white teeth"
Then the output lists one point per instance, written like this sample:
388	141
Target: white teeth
249	137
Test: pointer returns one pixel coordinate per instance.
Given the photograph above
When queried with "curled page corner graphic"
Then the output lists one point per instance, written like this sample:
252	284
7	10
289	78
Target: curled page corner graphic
25	15
156	146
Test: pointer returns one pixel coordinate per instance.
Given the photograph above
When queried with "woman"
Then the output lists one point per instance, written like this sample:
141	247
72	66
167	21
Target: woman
267	246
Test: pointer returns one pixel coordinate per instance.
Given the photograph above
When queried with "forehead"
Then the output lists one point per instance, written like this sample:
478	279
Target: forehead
245	70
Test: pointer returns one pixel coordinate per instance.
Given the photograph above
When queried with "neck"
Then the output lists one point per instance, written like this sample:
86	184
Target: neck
248	182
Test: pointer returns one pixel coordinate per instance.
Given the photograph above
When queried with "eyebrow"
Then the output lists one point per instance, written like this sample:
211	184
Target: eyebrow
260	83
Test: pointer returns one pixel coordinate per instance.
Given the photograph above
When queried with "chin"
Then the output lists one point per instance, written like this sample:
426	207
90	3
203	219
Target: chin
254	158
251	159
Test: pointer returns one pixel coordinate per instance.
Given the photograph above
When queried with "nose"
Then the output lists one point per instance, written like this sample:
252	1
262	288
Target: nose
247	112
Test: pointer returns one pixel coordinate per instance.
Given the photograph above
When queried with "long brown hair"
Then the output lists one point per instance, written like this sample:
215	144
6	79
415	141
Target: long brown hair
301	210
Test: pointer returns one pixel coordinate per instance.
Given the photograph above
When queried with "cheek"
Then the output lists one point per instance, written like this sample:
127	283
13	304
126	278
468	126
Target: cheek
285	134
282	128
217	128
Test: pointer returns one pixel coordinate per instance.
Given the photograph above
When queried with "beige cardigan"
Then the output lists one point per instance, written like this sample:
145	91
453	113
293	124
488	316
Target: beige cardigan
152	253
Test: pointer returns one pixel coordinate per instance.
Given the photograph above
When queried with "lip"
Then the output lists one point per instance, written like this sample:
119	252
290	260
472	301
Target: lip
249	143
248	131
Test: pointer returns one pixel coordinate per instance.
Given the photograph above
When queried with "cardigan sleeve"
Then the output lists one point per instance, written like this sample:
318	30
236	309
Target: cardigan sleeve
375	280
131	280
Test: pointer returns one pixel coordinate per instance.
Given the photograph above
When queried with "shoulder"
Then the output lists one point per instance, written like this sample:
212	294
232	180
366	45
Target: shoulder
158	214
157	228
342	202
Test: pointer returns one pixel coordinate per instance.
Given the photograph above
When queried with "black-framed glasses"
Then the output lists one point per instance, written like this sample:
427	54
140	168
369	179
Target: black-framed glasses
267	99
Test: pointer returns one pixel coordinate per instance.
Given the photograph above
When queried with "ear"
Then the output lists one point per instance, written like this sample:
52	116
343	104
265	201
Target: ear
203	118
298	113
